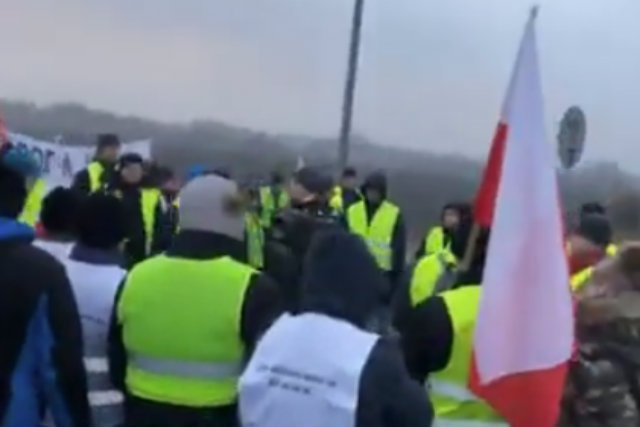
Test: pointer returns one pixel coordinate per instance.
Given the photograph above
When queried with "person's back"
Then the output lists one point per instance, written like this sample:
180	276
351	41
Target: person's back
322	366
40	339
185	321
294	228
94	269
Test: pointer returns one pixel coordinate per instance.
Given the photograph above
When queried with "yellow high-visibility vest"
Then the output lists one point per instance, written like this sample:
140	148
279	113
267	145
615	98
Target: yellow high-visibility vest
270	205
179	350
150	198
454	404
33	205
426	274
435	241
377	233
95	171
255	240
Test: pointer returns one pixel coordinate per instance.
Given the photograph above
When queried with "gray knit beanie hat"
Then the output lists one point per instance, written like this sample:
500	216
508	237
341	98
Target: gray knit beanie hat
204	205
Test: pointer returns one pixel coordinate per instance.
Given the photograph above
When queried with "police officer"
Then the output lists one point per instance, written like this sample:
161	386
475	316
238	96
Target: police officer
437	343
101	170
324	366
273	198
185	321
380	223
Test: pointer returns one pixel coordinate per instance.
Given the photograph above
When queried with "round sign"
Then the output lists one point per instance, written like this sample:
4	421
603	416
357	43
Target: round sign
571	137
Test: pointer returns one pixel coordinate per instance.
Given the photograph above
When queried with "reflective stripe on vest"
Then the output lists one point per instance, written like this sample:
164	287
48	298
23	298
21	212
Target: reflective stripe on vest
452	401
179	368
95	171
150	198
255	240
439	422
173	335
97	365
33	204
427	272
378	233
105	398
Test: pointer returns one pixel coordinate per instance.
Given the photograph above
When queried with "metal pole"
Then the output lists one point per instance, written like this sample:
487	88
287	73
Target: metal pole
350	84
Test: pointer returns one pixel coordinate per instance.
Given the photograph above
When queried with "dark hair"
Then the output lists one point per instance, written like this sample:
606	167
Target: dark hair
59	213
13	192
593	208
349	172
101	221
107	140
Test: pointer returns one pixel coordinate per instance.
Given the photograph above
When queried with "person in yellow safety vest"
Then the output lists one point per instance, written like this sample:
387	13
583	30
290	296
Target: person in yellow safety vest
254	233
273	198
588	245
346	193
186	321
101	170
437	345
380	223
438	238
23	161
142	208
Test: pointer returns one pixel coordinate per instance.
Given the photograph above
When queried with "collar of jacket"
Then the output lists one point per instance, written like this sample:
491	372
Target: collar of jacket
201	245
95	256
12	229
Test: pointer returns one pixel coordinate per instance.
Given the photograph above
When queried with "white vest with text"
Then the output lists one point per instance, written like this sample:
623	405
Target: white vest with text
95	287
305	372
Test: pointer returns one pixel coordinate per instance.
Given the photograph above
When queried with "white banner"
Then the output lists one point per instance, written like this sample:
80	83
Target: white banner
59	163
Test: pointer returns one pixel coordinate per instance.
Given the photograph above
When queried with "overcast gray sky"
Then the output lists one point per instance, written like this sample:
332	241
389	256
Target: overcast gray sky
433	73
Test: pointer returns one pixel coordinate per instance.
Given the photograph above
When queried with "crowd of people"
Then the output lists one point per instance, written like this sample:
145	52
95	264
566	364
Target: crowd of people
132	300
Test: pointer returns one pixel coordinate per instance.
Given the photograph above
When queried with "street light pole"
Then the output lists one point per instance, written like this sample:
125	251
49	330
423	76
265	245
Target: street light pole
350	85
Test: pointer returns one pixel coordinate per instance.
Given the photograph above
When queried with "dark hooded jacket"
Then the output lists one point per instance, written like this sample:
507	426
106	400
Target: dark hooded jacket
399	238
40	336
342	281
288	243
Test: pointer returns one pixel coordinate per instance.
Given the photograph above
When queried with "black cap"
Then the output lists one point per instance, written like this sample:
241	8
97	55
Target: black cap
314	180
595	228
129	159
349	172
108	140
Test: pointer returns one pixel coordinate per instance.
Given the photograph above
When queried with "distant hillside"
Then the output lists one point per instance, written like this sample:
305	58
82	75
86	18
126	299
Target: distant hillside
420	182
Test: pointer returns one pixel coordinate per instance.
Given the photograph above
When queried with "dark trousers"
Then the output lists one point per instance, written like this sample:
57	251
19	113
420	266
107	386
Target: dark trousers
145	413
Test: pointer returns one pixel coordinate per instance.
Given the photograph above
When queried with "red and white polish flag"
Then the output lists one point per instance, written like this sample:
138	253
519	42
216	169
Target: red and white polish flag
524	333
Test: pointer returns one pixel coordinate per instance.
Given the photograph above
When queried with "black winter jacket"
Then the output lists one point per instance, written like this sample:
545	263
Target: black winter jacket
262	305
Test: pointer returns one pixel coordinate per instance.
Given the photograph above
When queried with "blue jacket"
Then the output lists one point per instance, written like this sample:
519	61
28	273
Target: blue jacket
41	359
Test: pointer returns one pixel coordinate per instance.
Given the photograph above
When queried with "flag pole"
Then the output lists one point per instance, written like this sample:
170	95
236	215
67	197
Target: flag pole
472	241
